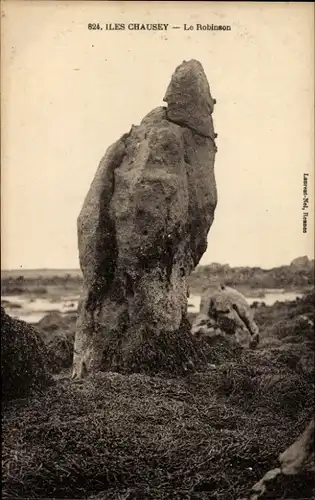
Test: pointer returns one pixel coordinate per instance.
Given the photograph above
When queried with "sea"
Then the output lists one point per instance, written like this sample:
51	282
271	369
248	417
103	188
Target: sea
33	310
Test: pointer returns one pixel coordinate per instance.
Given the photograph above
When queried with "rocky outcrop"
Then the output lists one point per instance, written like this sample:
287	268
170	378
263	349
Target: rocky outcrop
300	455
302	263
299	275
225	312
295	460
143	229
24	358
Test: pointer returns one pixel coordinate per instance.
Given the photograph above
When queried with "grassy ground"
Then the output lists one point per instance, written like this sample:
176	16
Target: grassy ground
209	435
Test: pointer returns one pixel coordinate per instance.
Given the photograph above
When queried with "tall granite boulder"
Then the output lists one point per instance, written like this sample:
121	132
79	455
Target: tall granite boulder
143	229
225	312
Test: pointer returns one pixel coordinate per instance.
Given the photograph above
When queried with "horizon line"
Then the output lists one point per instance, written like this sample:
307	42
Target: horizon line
78	269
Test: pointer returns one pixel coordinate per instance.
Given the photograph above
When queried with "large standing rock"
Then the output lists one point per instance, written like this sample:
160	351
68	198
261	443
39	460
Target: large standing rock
226	312
143	228
24	358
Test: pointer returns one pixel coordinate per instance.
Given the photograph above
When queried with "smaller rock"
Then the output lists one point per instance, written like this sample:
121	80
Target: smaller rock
51	322
300	455
296	459
58	334
189	100
226	312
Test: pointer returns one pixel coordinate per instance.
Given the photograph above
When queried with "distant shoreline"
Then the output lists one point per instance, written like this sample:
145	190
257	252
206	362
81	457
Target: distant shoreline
200	267
298	276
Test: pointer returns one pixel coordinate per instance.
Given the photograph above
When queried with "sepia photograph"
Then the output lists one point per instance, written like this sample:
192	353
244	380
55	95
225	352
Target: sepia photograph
157	250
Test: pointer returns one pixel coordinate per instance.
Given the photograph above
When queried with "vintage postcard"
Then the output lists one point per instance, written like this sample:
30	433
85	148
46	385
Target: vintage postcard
157	244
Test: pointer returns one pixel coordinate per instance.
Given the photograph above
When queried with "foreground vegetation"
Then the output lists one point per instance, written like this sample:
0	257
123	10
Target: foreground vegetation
207	435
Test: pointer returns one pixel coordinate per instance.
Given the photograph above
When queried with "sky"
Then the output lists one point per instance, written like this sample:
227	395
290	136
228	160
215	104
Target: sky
69	92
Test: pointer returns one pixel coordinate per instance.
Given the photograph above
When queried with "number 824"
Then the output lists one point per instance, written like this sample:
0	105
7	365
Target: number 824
94	26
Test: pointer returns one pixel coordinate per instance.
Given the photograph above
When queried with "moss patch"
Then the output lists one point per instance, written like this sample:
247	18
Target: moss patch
24	359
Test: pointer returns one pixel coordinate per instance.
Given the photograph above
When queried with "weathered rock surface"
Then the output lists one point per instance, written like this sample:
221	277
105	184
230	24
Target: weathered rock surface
300	455
143	228
226	312
24	358
193	112
295	460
